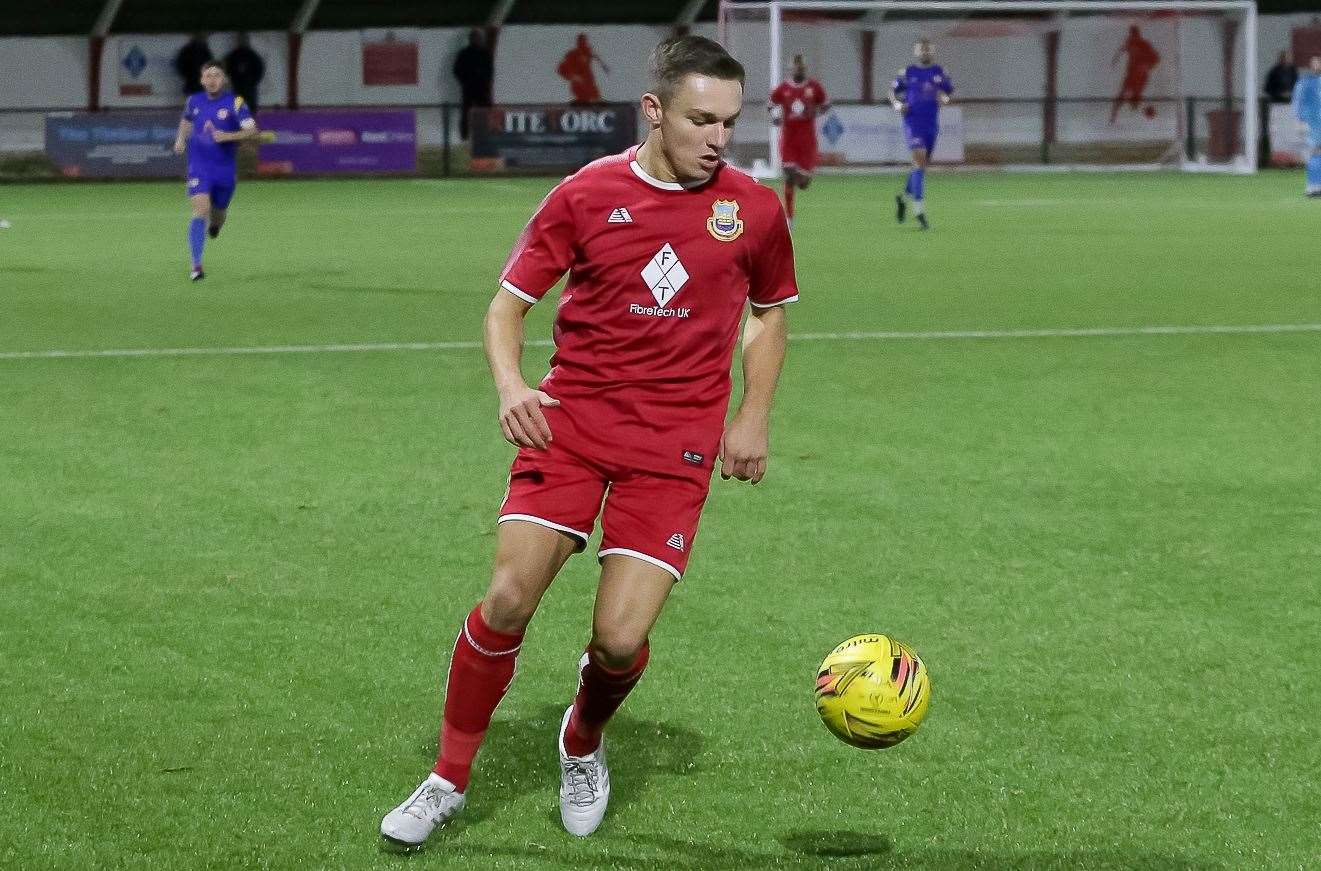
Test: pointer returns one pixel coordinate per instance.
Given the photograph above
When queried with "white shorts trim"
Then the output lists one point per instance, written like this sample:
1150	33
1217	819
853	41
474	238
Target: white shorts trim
541	521
678	575
530	300
793	298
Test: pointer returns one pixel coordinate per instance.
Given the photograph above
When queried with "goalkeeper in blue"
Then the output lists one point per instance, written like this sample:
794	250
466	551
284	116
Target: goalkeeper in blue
917	94
1307	106
214	122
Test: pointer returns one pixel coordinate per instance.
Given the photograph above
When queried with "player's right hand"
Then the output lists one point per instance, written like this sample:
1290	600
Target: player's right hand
521	419
178	146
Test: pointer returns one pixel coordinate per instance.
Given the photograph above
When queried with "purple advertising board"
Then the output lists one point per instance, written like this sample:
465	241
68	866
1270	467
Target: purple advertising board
329	142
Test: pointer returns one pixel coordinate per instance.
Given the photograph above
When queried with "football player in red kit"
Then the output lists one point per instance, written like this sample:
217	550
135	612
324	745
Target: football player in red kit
794	107
665	246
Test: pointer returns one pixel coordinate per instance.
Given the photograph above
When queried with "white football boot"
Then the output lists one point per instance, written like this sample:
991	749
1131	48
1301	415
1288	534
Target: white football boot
431	805
584	783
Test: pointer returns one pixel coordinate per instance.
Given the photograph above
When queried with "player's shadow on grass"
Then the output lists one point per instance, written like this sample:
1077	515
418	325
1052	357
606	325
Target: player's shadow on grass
519	757
652	852
832	847
836	845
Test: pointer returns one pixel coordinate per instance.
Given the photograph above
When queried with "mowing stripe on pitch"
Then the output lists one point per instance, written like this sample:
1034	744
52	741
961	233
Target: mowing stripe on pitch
879	335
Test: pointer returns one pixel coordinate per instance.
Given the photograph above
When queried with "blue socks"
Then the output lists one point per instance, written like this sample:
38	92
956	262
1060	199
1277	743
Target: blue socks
196	239
916	187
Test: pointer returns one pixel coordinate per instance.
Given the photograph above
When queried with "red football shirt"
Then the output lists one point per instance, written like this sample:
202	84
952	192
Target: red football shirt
801	104
659	275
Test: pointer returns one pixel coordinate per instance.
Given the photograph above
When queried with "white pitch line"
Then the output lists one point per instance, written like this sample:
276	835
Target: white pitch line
881	335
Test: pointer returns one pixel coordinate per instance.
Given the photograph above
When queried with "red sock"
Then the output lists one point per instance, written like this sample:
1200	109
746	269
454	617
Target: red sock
601	694
480	671
789	200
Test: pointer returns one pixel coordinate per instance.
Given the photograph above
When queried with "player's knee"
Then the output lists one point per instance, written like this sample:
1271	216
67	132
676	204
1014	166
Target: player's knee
616	648
507	606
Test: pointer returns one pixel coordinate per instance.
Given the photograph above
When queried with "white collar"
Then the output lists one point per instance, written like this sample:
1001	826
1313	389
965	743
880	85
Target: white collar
655	182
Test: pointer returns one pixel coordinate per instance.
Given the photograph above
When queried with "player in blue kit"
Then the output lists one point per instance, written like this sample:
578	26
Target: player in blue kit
214	122
917	94
1307	107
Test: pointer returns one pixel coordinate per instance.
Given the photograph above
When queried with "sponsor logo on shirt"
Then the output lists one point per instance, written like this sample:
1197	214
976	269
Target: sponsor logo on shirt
659	312
724	223
665	275
693	458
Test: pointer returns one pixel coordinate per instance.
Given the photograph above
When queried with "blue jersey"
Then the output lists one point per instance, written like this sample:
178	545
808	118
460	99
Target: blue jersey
206	157
1307	100
919	88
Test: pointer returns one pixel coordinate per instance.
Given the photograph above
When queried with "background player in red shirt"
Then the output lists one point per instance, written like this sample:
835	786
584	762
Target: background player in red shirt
665	247
1142	59
794	107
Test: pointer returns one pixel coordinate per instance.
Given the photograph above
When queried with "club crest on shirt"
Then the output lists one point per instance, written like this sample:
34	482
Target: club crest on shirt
724	223
222	114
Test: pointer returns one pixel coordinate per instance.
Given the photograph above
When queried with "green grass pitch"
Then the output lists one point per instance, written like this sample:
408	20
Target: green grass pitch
230	583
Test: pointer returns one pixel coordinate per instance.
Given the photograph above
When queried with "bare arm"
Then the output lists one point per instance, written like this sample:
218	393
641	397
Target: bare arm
745	447
181	138
521	419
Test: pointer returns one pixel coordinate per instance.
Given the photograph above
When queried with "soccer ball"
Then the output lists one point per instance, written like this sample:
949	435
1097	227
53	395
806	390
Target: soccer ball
872	691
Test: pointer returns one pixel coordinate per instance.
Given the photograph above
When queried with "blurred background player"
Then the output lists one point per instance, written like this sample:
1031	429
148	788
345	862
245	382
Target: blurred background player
576	69
214	122
917	94
794	107
666	247
1307	106
1142	59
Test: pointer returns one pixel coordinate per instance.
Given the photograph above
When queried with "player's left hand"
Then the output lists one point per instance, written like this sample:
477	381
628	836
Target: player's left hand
744	449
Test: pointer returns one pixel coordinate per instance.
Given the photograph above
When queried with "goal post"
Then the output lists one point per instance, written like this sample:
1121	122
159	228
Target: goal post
1040	84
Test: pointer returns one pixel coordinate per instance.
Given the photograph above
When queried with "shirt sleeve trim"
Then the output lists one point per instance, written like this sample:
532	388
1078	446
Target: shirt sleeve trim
530	300
793	298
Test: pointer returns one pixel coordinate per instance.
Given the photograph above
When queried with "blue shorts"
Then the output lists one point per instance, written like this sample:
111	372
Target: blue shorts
921	133
221	191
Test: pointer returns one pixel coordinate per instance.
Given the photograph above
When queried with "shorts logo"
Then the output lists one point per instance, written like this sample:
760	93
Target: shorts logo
194	182
693	458
724	223
676	541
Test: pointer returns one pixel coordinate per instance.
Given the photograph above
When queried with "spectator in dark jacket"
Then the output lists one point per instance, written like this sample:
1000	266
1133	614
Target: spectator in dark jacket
188	62
1281	79
474	67
245	68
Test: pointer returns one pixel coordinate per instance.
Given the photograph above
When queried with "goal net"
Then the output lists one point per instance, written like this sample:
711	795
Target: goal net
1045	84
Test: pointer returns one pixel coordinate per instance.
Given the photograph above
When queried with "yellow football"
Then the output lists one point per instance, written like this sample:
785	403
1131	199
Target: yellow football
872	691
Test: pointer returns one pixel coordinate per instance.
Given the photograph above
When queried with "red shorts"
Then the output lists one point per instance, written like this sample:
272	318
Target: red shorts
799	150
649	516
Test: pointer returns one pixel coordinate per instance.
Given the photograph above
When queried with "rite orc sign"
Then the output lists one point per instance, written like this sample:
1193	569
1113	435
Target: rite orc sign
562	138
